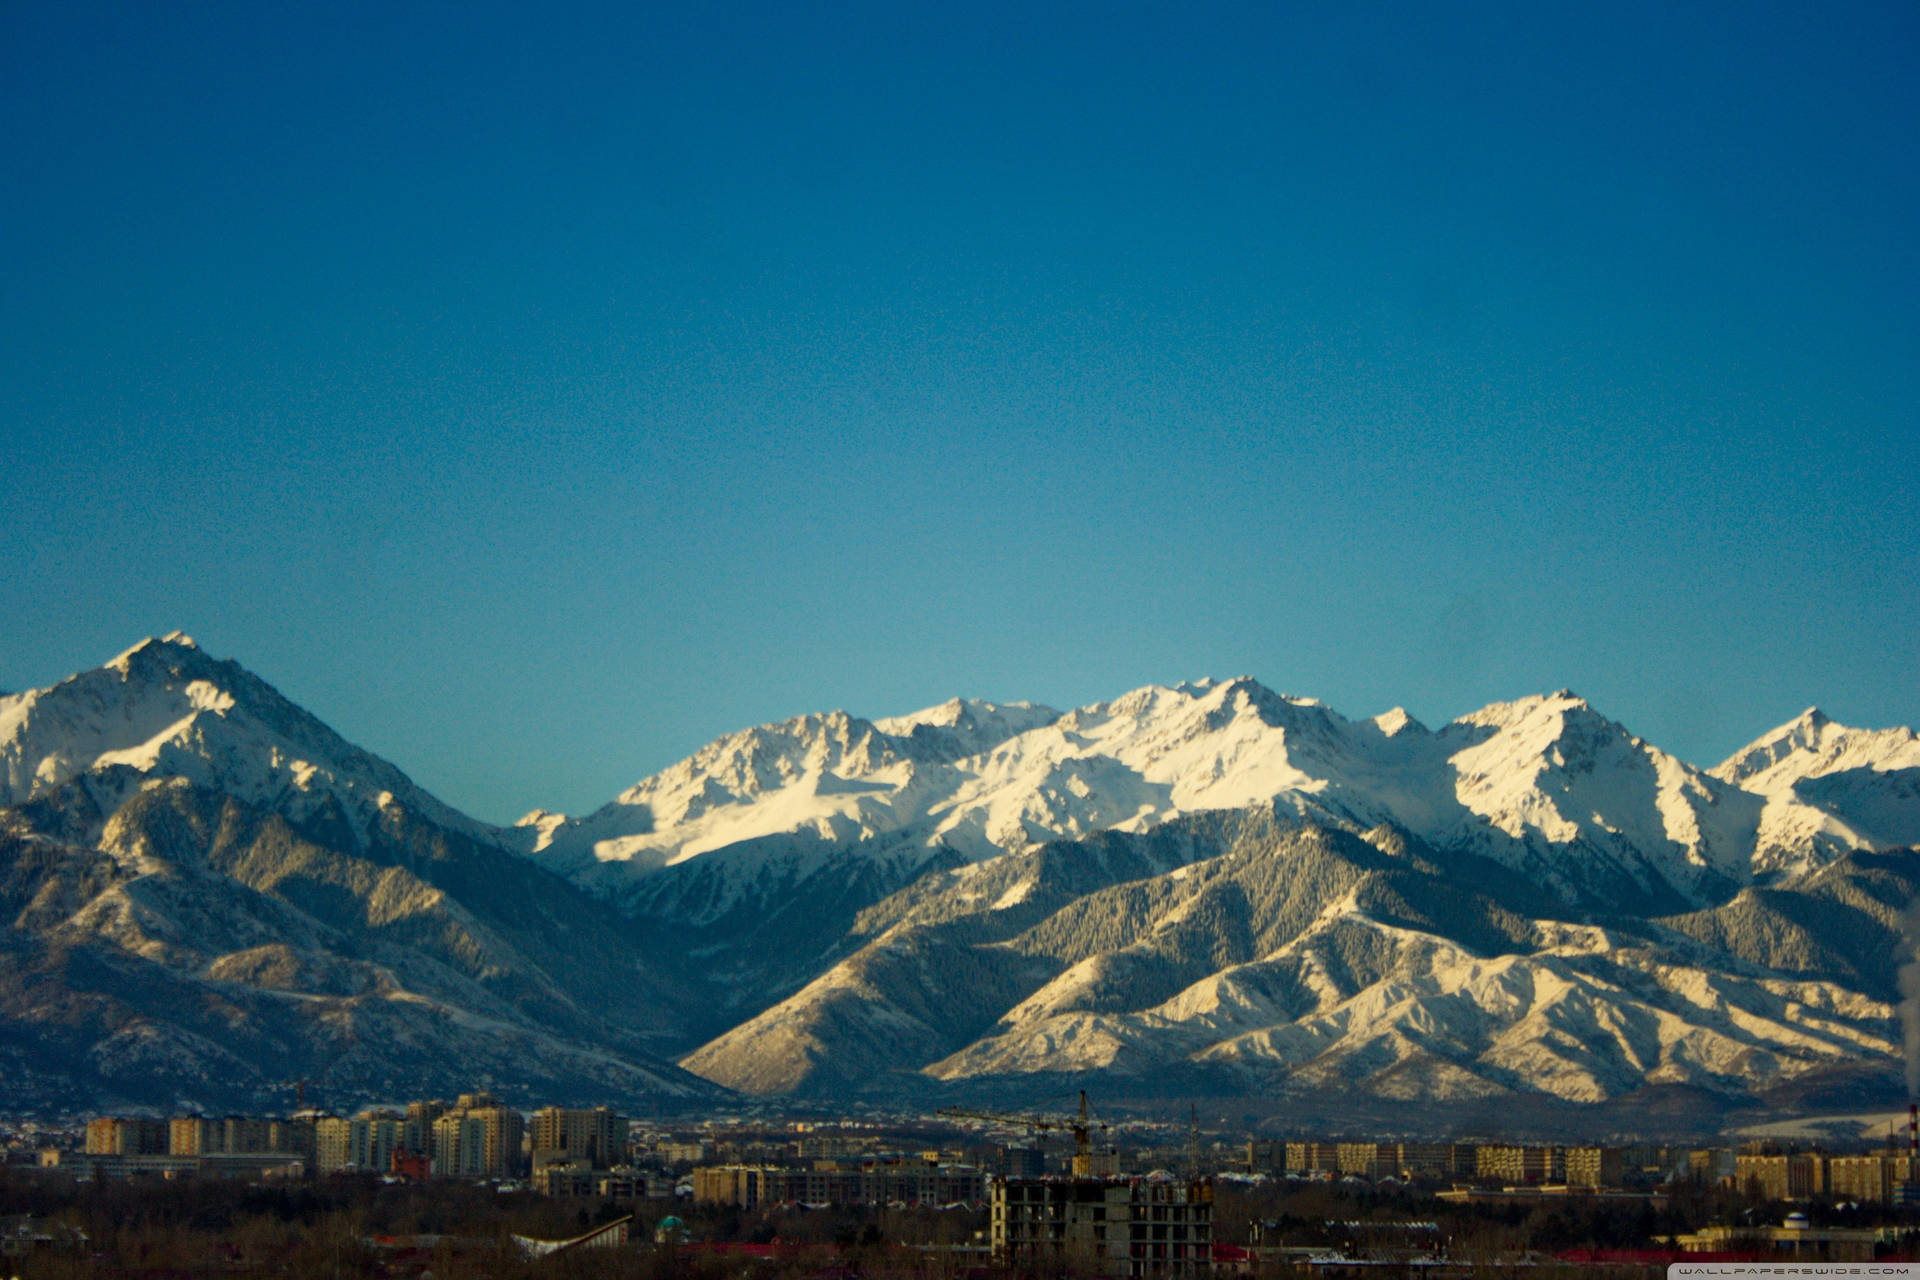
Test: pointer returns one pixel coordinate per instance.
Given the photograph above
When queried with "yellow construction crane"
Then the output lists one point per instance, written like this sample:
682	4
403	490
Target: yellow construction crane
1087	1161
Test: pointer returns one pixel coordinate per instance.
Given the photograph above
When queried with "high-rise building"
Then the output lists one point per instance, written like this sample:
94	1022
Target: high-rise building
294	1136
1520	1166
597	1138
1313	1157
1871	1179
1425	1159
246	1135
366	1142
747	1186
1796	1176
477	1138
417	1135
1594	1166
127	1136
1367	1159
1022	1162
870	1182
332	1143
459	1146
195	1136
1711	1164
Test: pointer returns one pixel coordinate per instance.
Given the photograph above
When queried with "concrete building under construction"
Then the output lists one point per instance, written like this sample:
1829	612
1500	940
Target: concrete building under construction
1156	1225
1097	1222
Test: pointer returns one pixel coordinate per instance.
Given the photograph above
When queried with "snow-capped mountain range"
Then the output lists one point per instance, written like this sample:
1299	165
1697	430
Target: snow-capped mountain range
1210	882
1545	784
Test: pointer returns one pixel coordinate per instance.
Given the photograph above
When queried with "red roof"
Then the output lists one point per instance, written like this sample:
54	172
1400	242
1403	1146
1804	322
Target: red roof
1653	1257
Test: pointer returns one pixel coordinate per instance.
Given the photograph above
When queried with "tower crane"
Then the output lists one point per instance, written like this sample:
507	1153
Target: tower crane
1087	1161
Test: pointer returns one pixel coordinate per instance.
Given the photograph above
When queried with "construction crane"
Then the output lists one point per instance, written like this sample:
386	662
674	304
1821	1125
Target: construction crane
1087	1162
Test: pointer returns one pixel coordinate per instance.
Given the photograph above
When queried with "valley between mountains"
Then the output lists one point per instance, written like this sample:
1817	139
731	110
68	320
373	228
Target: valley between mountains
1207	889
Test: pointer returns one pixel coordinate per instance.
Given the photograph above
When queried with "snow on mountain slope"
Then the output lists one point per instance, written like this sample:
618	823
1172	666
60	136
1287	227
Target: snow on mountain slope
1206	878
166	709
1554	774
832	776
1544	784
1828	788
1810	746
790	794
962	727
1312	960
1585	1020
207	890
979	777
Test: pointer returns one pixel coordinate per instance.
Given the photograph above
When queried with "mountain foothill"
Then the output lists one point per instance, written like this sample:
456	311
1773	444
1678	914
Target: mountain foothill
1208	889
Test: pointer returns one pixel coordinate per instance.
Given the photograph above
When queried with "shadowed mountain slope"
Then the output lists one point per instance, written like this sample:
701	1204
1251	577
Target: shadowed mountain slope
214	896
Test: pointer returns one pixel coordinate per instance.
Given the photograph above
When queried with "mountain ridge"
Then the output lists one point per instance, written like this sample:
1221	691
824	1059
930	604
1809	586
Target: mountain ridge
1544	782
1208	882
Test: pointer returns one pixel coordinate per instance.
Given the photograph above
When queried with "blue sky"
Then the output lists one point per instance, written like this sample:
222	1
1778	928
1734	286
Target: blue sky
536	397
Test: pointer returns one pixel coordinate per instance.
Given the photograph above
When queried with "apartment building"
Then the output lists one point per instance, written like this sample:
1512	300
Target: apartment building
1312	1157
477	1138
1880	1178
1367	1159
126	1136
365	1142
829	1182
1593	1166
595	1138
1520	1166
1782	1177
417	1133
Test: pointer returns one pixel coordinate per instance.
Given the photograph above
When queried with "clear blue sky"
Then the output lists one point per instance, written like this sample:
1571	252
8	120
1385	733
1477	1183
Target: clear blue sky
537	396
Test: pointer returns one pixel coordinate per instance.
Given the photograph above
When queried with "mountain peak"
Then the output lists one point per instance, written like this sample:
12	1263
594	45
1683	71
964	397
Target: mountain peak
153	645
961	712
1532	707
166	708
1811	745
1210	687
1257	691
1396	721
